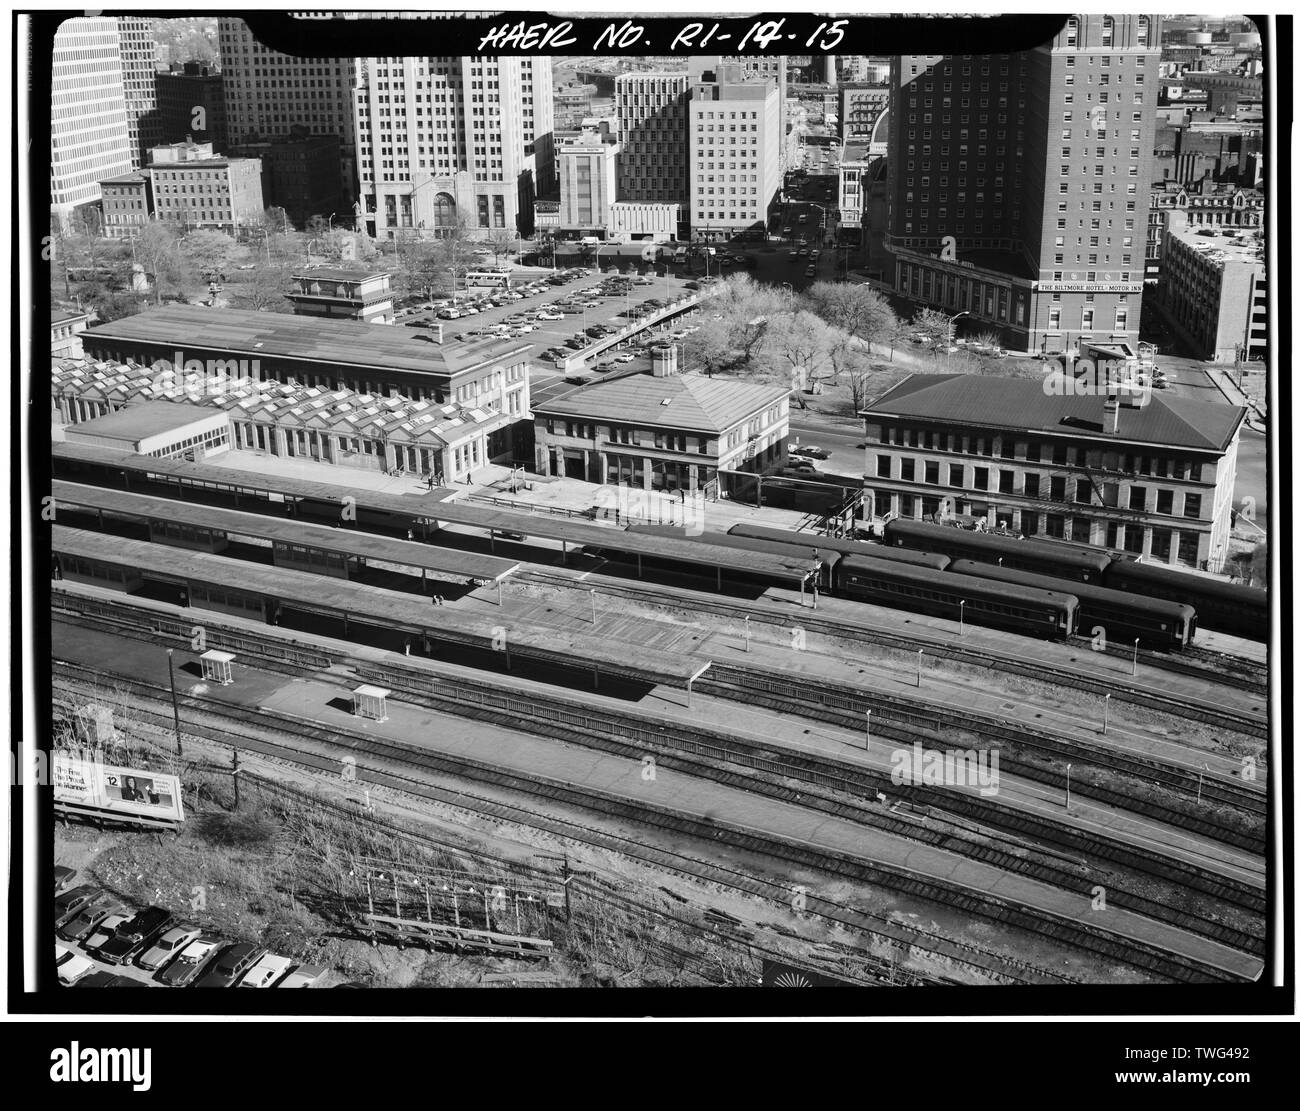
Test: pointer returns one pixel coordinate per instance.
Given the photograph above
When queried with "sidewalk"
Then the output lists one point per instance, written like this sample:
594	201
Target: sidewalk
1256	412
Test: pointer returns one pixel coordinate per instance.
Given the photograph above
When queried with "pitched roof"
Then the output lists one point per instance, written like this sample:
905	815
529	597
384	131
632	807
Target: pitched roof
251	334
686	401
1023	404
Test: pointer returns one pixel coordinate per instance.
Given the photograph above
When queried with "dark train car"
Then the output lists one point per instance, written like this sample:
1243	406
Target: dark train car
1158	623
801	549
840	544
1038	556
1228	607
1046	613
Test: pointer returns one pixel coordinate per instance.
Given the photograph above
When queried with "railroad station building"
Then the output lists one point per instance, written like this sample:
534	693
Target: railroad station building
444	442
662	430
165	429
327	354
1122	469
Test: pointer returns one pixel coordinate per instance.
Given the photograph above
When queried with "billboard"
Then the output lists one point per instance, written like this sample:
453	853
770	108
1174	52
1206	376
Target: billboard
146	794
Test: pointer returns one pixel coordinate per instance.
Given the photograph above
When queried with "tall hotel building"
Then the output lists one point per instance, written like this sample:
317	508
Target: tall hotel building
652	111
139	62
1019	183
442	139
735	129
89	137
268	93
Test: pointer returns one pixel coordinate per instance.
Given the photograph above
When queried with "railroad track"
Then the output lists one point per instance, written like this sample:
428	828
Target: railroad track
1080	934
1248	724
978	960
812	779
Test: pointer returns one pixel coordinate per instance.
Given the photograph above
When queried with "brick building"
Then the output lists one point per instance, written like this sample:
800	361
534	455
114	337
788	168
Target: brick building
661	430
1019	183
127	204
300	173
1205	206
196	188
1127	470
1214	289
192	105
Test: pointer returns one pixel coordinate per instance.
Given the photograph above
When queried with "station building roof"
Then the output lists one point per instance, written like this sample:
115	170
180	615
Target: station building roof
1023	405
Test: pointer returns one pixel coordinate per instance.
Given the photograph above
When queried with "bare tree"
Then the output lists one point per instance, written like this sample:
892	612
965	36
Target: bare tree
855	308
500	242
156	250
800	344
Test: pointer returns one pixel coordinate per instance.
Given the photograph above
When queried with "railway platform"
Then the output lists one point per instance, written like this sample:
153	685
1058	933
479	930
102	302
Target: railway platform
328	705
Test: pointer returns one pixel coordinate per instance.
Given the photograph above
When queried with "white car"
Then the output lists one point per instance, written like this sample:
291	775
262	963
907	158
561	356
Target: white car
626	357
302	977
167	946
266	971
550	316
74	968
61	953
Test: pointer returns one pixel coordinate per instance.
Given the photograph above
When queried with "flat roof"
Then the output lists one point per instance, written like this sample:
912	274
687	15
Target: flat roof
311	339
438	506
374	605
370	546
62	316
341	273
148	418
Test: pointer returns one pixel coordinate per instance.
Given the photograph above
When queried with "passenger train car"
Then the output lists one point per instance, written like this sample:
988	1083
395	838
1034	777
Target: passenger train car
840	544
1155	622
1038	556
1228	607
1051	614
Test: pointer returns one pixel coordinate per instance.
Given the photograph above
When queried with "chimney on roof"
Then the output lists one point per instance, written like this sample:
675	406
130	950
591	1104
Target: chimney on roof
1112	411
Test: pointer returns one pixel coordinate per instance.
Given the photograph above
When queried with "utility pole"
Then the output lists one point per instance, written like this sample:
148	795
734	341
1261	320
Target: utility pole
176	711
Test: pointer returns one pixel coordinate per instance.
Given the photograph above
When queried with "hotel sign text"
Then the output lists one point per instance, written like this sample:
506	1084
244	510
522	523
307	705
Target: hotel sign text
1089	287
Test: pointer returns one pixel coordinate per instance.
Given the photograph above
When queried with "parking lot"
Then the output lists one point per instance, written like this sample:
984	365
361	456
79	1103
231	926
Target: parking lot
550	312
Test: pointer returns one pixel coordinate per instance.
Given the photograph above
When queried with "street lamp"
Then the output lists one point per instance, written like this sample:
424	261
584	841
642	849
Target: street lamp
961	618
1067	785
868	748
1105	716
593	605
1200	782
746	632
952	334
1135	657
176	712
919	653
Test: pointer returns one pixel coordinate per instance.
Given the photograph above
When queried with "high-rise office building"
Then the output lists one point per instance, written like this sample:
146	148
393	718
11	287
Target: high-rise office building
1018	184
443	139
139	61
538	104
192	105
588	179
735	140
267	93
89	137
652	136
774	67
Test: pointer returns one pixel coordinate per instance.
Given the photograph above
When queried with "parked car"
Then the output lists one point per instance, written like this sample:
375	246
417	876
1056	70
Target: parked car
810	452
625	357
167	945
75	968
72	902
102	979
135	934
190	962
575	344
91	915
231	965
550	314
449	314
63	876
106	929
304	976
61	954
266	972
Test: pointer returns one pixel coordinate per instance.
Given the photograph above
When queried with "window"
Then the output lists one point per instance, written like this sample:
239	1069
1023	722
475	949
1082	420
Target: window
883	466
981	478
1192	506
1031	485
1057	488
932	473
1165	501
1137	497
908	473
957	477
1006	482
1082	490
